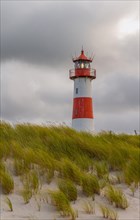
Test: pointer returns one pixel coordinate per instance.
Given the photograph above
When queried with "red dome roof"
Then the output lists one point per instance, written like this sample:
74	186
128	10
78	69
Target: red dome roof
82	57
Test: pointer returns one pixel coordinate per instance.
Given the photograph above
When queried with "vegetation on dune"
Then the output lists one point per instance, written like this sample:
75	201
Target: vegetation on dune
89	207
71	171
79	157
6	182
62	203
52	147
90	185
9	203
117	197
68	188
108	213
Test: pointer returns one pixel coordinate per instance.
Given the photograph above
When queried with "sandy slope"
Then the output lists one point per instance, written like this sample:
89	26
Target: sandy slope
48	211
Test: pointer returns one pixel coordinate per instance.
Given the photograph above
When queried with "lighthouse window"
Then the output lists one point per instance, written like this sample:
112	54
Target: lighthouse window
76	90
77	65
82	65
87	65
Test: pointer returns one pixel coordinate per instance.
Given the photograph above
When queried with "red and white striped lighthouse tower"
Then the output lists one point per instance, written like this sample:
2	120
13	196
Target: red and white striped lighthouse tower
82	117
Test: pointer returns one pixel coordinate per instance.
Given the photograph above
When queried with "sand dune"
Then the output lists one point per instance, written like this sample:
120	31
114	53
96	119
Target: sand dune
48	211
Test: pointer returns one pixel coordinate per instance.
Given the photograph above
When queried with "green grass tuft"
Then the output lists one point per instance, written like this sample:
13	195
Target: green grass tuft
68	188
62	203
117	197
90	185
9	203
6	182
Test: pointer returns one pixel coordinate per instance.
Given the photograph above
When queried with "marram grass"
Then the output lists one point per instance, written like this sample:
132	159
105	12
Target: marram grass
69	153
108	213
62	203
26	193
116	196
90	185
68	188
6	182
88	206
9	203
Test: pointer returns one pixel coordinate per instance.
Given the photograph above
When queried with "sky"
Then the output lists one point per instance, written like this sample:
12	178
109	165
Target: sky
38	41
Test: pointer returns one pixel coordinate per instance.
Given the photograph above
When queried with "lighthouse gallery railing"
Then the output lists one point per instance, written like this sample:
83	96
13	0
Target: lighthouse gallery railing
73	73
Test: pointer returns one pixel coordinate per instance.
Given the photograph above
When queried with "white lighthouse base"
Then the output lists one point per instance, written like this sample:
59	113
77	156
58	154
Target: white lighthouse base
83	124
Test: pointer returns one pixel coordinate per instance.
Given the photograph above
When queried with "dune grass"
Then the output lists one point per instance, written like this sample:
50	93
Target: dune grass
31	142
88	207
6	182
108	213
71	171
62	203
9	203
26	193
81	158
90	185
68	188
101	168
104	210
52	147
117	197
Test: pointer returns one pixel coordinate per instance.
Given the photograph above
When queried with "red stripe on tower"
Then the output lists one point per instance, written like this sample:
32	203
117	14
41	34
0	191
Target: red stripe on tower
82	108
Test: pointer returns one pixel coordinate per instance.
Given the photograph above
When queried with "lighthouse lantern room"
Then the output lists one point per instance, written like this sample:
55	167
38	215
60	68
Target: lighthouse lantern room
82	75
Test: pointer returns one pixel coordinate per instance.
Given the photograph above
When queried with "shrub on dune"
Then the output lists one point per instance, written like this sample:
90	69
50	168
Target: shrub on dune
4	150
108	213
26	193
68	188
89	207
6	182
70	171
90	185
19	167
132	172
61	202
31	181
116	160
101	169
2	166
6	132
83	161
117	197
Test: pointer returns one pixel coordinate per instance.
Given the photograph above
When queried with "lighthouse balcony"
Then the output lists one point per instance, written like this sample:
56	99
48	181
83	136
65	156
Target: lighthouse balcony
74	73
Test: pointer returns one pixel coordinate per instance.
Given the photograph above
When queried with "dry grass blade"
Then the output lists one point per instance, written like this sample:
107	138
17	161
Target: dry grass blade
9	203
104	210
116	196
89	207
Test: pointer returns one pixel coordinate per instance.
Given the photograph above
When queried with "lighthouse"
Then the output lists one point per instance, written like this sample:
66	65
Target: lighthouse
82	75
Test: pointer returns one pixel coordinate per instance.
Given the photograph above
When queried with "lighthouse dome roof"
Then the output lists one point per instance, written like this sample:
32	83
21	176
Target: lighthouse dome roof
82	57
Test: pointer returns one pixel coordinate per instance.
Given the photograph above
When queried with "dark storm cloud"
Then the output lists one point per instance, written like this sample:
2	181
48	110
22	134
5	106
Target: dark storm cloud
44	33
37	41
28	93
117	92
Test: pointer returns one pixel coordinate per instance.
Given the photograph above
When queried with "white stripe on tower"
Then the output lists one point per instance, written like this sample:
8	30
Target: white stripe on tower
82	87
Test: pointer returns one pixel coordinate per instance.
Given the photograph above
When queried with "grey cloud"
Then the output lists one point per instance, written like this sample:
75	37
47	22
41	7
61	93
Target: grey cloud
37	41
28	93
117	92
49	33
125	122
